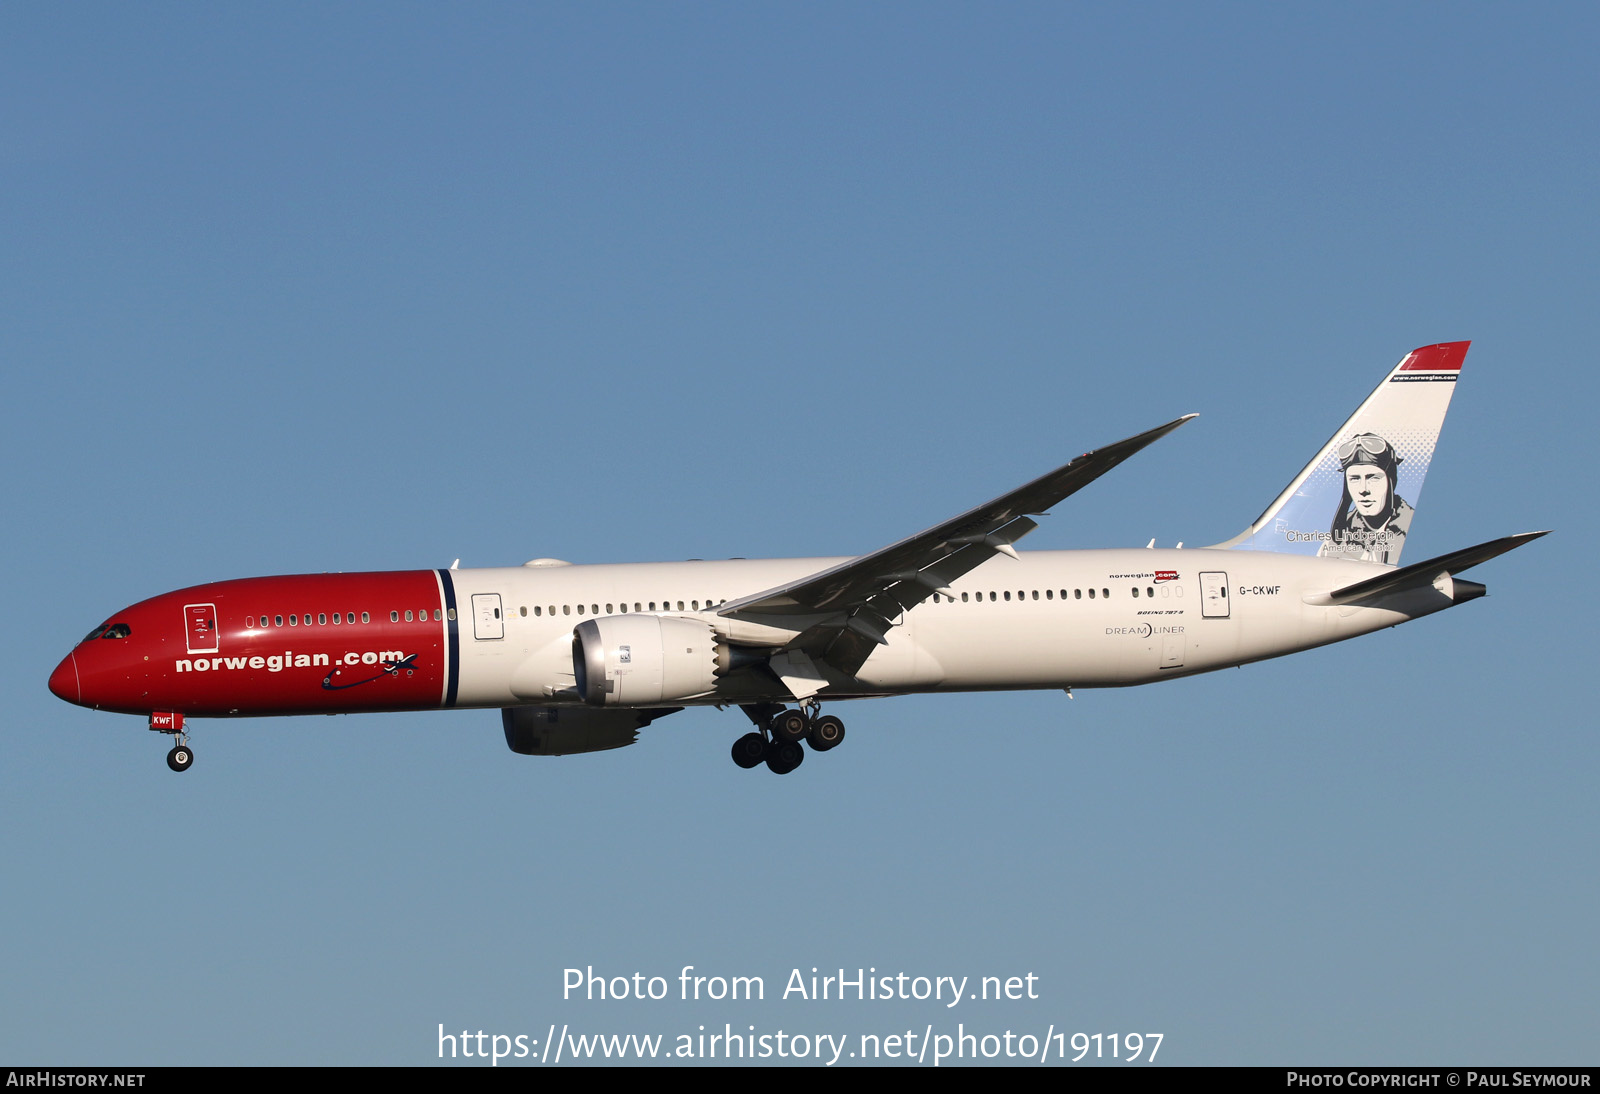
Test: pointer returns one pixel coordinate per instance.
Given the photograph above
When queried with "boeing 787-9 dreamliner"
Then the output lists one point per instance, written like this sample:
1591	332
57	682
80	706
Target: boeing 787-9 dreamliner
578	658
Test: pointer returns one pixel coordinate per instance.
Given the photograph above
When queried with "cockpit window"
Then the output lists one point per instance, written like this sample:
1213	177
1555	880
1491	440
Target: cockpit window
108	630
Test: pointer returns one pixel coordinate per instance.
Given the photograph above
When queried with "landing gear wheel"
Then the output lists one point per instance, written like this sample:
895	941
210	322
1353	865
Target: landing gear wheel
791	726
826	732
749	750
784	756
180	758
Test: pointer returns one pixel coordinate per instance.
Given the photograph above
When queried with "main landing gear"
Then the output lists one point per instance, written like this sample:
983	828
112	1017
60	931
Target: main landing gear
171	723
778	734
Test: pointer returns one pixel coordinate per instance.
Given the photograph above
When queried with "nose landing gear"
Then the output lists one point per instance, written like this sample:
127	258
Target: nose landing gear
777	737
171	722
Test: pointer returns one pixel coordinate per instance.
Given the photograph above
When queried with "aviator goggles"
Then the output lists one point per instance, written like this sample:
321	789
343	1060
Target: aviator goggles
1369	443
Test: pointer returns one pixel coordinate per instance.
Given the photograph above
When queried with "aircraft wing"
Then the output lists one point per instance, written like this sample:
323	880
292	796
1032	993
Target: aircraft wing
864	597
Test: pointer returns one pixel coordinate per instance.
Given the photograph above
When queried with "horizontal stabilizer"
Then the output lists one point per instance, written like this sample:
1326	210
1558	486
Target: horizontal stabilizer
1426	573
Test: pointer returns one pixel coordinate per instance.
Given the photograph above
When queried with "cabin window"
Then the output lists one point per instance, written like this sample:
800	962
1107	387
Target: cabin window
1136	590
394	617
322	619
1049	594
1091	594
337	619
1151	591
1105	592
963	598
991	596
1036	594
294	621
365	618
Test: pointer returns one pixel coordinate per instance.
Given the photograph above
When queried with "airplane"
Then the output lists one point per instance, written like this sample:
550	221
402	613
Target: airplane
579	658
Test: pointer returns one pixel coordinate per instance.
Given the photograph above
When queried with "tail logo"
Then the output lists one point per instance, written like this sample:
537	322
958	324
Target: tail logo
1356	497
1372	518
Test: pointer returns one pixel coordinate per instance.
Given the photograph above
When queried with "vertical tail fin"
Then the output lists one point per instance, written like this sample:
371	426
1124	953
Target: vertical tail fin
1356	498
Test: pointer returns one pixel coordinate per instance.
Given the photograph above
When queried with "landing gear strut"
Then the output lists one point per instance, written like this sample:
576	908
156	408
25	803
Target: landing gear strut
778	735
171	723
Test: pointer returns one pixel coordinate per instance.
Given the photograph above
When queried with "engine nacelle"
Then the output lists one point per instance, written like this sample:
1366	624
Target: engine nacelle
563	731
640	660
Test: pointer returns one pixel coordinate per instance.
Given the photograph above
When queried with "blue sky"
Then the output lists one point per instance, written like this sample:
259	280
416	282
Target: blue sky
289	289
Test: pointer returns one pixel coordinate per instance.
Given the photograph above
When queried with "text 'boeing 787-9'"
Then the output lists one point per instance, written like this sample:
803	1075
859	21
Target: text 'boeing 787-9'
578	658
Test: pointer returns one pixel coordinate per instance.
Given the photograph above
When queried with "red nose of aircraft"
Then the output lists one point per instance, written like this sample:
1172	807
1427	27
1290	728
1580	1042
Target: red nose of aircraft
64	681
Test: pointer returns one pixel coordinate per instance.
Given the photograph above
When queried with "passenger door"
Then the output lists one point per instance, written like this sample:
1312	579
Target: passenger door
486	619
1214	595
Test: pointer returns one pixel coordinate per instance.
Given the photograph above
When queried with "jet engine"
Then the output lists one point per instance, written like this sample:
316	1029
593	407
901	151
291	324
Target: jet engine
563	731
639	660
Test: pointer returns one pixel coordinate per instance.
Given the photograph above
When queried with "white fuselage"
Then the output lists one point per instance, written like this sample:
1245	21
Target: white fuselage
1047	619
